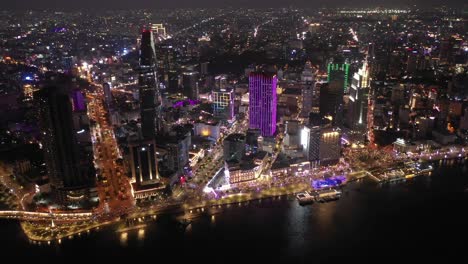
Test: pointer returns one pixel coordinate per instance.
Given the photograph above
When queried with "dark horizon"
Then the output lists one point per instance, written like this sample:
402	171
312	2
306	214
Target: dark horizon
143	4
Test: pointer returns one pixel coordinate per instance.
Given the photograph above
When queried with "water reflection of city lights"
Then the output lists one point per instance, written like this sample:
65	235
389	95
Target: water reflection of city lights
123	238
141	234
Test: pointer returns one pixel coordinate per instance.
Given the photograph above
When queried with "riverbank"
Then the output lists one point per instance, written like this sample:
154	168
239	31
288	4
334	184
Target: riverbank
47	232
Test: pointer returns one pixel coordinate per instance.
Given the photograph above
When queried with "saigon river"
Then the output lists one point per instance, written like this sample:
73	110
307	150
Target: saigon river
422	216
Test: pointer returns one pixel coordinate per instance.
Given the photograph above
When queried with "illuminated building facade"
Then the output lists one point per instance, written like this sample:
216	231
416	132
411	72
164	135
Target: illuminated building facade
330	146
167	67
28	91
149	93
310	141
321	144
263	102
159	30
209	129
339	72
247	170
223	104
358	99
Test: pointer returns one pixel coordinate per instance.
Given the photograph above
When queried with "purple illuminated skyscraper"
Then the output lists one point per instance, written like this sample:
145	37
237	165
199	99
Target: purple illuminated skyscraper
262	102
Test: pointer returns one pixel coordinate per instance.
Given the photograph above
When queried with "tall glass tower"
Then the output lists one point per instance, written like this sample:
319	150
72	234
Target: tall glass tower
150	101
263	102
61	154
358	99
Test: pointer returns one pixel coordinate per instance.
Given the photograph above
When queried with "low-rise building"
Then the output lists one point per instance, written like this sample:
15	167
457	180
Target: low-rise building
247	170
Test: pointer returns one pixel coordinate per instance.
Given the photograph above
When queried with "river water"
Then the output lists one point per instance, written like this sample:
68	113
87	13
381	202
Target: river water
425	216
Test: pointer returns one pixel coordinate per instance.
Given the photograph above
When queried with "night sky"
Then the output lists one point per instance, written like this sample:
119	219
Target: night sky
154	4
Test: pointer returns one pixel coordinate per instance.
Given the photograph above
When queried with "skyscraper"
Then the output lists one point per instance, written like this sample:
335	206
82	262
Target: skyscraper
339	73
310	141
67	180
321	143
330	146
167	65
149	92
358	99
177	143
143	161
307	97
331	101
190	84
262	102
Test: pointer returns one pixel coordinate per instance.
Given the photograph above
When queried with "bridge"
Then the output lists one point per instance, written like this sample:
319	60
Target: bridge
41	216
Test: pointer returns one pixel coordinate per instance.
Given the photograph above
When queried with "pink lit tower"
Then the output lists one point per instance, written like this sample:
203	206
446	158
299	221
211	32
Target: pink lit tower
262	102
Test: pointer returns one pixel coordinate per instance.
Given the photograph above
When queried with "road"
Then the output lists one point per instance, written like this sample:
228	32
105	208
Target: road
24	195
113	186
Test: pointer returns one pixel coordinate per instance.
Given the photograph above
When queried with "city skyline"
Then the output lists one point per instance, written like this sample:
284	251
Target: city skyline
296	133
105	4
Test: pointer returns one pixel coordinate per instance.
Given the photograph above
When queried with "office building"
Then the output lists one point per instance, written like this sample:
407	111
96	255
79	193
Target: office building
321	142
159	31
310	141
251	140
331	101
234	147
330	146
190	84
263	102
292	137
177	145
247	170
223	104
358	99
307	98
69	183
144	164
148	87
307	74
338	73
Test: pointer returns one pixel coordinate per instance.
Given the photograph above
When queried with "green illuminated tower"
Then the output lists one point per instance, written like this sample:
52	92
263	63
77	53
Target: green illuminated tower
339	72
